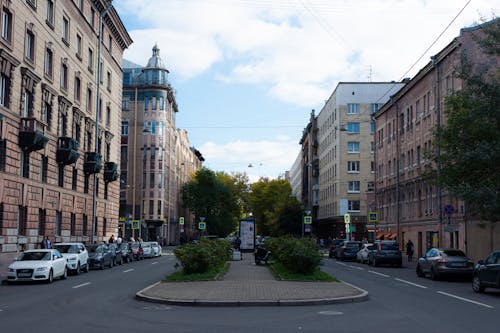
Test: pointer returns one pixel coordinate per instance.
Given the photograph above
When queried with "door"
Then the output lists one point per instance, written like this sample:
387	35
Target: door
491	272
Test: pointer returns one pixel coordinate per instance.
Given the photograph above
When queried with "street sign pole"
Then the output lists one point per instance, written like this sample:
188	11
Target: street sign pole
347	221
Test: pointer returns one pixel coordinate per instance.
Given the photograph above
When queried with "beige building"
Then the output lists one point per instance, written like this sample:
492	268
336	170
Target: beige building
409	206
50	150
346	156
156	157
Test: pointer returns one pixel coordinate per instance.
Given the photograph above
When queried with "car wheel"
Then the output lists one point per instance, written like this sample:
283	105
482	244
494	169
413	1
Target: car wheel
51	277
65	274
86	269
434	274
420	273
78	269
476	284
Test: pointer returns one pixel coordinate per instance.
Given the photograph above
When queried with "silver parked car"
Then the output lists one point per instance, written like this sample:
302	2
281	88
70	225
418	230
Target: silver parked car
439	262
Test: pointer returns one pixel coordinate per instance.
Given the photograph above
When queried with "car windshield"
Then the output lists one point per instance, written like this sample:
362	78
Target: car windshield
353	245
42	255
453	253
389	247
66	248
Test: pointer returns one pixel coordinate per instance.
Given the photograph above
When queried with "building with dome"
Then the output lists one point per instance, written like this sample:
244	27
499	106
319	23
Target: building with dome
156	158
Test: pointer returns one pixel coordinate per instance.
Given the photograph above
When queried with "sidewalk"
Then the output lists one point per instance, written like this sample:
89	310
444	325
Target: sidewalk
246	284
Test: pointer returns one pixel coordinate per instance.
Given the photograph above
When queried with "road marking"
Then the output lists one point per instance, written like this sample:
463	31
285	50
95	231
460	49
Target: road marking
154	263
377	273
128	270
81	285
330	313
465	299
411	283
341	263
356	267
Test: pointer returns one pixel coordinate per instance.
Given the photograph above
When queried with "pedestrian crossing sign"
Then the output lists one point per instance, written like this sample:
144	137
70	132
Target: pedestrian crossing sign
202	225
136	224
372	217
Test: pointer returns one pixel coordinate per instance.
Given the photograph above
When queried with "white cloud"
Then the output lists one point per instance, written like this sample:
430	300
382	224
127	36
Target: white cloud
268	158
298	48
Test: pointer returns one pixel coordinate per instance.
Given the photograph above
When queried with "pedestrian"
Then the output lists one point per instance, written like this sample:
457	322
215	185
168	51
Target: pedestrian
111	239
237	243
119	240
46	243
409	250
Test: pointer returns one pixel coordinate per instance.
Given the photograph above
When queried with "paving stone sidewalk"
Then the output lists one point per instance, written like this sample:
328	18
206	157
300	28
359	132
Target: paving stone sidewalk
247	284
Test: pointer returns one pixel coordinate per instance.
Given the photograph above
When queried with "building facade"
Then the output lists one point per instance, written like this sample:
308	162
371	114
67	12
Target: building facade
156	157
58	154
408	205
345	156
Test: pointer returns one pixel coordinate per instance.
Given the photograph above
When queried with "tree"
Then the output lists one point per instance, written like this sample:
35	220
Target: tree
207	196
276	211
470	140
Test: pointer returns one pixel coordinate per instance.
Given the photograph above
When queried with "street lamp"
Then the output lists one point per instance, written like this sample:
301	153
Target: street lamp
98	105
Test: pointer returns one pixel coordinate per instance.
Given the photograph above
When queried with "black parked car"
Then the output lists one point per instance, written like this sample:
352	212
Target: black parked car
126	251
487	273
387	253
347	250
100	256
117	254
333	246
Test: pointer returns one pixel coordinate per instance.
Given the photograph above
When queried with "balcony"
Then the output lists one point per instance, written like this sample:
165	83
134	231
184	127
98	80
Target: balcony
93	163
67	150
32	135
110	171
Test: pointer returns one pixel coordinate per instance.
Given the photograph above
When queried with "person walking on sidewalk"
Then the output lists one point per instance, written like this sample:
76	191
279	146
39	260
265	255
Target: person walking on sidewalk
409	250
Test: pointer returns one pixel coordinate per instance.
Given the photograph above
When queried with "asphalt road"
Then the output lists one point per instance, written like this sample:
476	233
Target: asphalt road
103	301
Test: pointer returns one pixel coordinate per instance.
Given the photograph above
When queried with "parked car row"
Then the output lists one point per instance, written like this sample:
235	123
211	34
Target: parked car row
57	262
385	252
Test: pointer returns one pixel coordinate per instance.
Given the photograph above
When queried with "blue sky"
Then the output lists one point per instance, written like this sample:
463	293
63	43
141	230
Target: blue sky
249	72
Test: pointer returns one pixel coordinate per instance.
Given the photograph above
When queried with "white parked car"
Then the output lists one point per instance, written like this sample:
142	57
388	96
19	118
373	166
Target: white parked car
37	265
362	254
147	250
156	249
77	255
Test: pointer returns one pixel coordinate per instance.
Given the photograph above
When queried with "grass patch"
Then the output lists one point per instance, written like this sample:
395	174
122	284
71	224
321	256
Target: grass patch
212	275
280	272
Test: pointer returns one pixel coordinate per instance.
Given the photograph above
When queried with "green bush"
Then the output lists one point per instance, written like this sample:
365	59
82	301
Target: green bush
203	256
296	255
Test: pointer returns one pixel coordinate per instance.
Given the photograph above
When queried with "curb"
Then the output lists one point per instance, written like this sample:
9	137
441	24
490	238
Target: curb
363	296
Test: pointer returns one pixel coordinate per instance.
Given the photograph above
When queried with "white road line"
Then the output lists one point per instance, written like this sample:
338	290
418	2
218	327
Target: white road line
356	267
377	273
128	270
465	299
411	283
81	285
154	263
341	263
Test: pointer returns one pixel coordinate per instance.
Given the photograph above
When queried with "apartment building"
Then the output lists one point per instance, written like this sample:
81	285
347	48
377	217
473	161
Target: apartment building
58	140
156	157
409	206
345	156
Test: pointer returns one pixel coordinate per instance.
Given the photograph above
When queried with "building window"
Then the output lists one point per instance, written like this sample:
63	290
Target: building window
354	187
108	81
78	89
105	191
80	5
6	25
85	225
72	226
110	44
64	76
353	166
42	221
25	164
372	127
353	205
108	116
58	223
86	184
74	179
125	128
89	99
92	17
22	220
151	207
353	108
49	19
104	226
153	128
45	168
370	186
372	147
60	176
1	215
374	107
4	90
353	147
158	211
29	48
27	103
352	128
3	153
48	67
32	3
90	60
79	46
152	180
65	30
160	180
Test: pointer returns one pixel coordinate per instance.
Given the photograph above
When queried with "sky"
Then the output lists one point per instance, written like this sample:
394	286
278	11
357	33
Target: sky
247	73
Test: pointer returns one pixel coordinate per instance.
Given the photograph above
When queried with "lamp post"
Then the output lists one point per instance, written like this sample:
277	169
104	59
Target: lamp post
98	105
